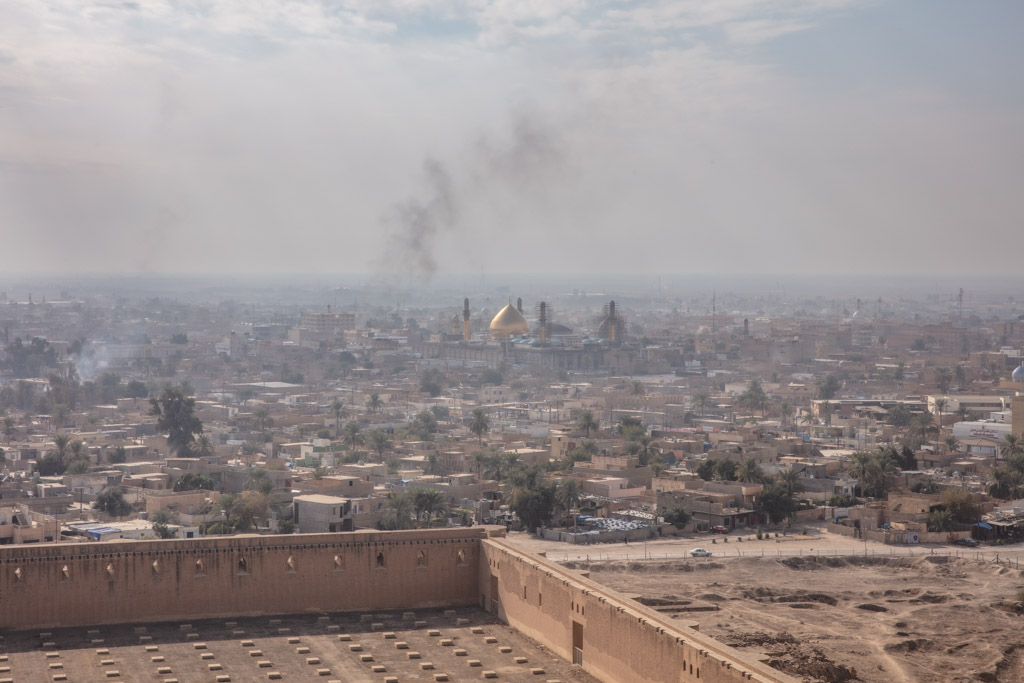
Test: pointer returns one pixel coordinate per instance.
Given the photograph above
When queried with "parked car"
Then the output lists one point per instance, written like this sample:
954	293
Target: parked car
700	552
966	542
719	530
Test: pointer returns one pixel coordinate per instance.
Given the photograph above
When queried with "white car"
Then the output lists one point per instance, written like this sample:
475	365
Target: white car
700	552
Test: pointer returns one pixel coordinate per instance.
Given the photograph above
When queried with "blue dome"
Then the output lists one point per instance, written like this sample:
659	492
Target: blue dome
1018	374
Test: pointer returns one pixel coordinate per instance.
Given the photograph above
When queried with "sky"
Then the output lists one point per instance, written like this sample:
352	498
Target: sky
419	138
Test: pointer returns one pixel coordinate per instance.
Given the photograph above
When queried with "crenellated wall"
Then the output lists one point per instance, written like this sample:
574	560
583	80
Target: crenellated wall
98	583
612	637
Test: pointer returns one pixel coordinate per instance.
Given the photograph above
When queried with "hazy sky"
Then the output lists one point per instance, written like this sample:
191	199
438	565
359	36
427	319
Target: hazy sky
397	136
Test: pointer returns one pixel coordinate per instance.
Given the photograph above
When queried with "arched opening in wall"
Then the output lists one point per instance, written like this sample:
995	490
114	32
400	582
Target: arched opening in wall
339	563
156	566
524	592
110	570
200	567
380	560
421	559
290	563
460	558
19	575
243	566
65	573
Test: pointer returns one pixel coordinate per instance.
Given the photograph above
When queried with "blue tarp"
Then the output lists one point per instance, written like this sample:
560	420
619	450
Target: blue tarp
984	525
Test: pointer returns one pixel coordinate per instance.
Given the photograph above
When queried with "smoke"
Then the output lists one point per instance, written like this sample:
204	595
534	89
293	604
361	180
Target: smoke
492	177
416	222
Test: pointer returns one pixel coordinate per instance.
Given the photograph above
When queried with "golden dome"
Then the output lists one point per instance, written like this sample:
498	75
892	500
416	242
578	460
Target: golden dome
508	323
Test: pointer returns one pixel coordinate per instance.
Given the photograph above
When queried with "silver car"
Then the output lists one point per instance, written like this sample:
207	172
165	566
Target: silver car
700	552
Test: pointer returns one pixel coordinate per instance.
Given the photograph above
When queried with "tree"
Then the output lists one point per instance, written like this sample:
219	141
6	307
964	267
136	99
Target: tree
259	481
398	512
754	398
943	379
192	481
262	420
111	501
941	520
1010	446
791	482
952	444
568	494
725	469
900	373
424	425
586	422
243	511
352	436
706	469
828	388
117	455
677	516
8	427
961	505
940	403
432	382
480	424
428	503
175	415
638	388
775	502
135	389
339	410
899	415
750	472
1006	484
374	403
78	461
204	446
701	400
378	441
161	521
534	507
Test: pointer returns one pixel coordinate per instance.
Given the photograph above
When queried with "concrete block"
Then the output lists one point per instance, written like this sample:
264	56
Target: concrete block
238	632
505	649
477	630
294	640
199	646
537	671
344	637
304	650
489	674
389	634
333	628
519	660
402	645
474	662
101	651
377	626
184	627
223	679
490	640
461	621
255	653
413	654
378	669
312	661
408	616
459	653
419	624
355	647
112	674
433	632
107	662
215	667
60	677
427	666
149	648
206	655
164	670
263	664
365	658
247	643
440	677
323	672
274	675
284	631
447	642
157	659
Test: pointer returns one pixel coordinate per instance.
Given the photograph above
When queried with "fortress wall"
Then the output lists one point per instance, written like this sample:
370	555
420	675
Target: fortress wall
618	639
140	581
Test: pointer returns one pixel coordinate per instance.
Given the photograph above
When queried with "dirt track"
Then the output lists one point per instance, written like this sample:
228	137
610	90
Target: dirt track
845	618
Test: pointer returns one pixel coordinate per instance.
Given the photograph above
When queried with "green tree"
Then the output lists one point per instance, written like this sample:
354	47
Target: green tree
491	376
428	503
534	507
725	469
162	521
204	446
191	481
262	420
701	400
375	404
480	424
424	425
706	469
828	387
775	502
117	455
398	512
339	410
952	444
135	389
677	516
378	441
1006	484
943	379
9	427
259	481
899	415
638	388
750	472
432	382
568	494
175	415
587	422
352	436
111	501
754	398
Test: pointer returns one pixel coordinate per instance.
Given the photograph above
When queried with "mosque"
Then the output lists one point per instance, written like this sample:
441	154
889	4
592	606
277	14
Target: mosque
512	340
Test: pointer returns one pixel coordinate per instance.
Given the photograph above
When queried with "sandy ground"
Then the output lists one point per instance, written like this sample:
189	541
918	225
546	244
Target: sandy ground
828	608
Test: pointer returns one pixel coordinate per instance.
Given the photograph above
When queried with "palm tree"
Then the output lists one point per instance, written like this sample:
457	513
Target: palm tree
1010	446
638	388
587	422
352	436
378	441
480	459
398	512
480	424
259	481
1006	484
262	419
374	403
204	446
750	472
860	463
701	399
339	412
429	503
791	482
8	427
940	403
964	413
60	443
568	494
953	444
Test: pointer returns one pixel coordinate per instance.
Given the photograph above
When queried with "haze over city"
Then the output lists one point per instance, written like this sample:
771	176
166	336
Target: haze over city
411	140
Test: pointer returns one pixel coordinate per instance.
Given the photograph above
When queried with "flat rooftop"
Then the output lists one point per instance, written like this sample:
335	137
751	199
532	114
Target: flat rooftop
464	645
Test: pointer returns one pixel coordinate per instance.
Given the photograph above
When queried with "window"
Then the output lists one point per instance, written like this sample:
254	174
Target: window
380	560
421	559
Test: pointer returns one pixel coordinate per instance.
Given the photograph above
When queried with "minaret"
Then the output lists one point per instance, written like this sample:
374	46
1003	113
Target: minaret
465	319
543	322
